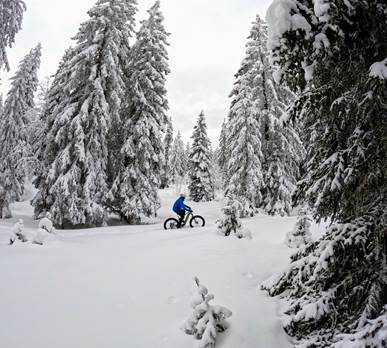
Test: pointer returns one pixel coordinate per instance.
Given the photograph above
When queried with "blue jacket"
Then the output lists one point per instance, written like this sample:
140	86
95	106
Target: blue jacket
179	205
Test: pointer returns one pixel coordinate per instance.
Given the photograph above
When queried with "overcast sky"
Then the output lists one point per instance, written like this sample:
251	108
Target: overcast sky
207	46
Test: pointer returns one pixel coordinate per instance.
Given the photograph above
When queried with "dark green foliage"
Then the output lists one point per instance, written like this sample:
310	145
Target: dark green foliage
338	283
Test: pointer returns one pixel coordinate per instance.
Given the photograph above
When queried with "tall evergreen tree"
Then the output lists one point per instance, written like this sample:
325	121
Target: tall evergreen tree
261	157
187	151
244	138
177	161
201	185
44	139
14	144
223	153
330	50
1	104
168	140
11	17
135	190
92	85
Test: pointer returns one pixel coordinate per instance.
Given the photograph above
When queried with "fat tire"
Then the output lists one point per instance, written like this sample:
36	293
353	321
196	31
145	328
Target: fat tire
197	217
166	223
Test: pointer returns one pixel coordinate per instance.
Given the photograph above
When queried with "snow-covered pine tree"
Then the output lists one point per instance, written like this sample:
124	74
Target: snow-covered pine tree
262	156
36	122
135	189
337	284
201	185
283	157
206	320
166	177
1	104
85	99
177	160
300	235
18	233
229	222
187	151
11	17
44	155
216	171
14	144
223	153
244	138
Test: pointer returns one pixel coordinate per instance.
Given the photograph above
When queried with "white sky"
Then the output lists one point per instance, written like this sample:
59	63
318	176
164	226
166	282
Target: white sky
207	46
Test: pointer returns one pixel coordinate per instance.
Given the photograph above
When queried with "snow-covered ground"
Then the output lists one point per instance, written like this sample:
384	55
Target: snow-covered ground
130	286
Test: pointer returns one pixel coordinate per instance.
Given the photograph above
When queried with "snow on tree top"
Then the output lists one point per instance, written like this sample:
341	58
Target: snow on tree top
280	20
379	69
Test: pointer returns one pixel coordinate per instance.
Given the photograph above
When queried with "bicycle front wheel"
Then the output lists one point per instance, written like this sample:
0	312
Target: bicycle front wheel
170	224
197	221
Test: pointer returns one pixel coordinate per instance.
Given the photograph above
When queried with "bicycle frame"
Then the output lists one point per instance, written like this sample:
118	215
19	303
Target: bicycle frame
187	216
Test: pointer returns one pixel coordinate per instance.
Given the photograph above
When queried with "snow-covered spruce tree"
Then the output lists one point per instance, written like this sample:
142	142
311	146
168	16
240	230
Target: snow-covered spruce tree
18	233
283	157
229	222
281	147
1	104
85	99
14	144
300	235
244	163
187	151
135	189
206	320
216	171
201	185
337	284
177	160
166	177
223	153
262	156
43	140
11	17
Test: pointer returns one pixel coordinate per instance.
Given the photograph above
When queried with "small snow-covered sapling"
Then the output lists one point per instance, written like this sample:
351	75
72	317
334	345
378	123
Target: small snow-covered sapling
206	320
45	227
46	224
17	233
300	235
229	221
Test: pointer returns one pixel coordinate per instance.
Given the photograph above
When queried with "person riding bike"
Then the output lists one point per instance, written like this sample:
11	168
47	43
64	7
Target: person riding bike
180	208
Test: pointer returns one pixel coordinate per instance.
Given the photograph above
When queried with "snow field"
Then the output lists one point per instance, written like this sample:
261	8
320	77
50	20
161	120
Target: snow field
130	286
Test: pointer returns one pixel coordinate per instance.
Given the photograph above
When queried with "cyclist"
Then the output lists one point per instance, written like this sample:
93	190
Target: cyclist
180	208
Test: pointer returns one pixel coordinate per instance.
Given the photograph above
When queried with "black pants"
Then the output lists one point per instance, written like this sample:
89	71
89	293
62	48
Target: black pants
181	214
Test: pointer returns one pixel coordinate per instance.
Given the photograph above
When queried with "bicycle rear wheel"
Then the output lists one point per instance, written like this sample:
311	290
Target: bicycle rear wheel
170	224
197	221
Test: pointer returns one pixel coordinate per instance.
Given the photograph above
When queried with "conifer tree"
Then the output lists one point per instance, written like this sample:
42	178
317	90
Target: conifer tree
1	104
262	156
14	138
187	151
44	139
206	320
223	154
11	17
168	140
300	235
328	50
230	222
201	185
177	160
81	113
244	165
135	189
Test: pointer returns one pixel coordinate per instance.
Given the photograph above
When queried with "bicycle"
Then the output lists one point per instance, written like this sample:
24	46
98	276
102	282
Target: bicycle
194	221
